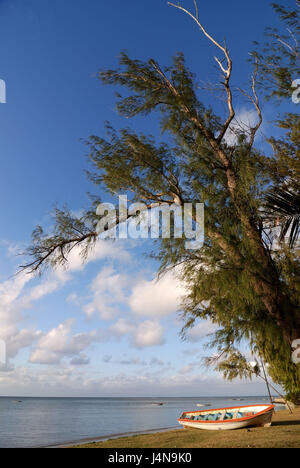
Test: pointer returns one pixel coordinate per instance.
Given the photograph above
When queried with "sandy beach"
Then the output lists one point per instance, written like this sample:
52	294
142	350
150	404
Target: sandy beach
284	433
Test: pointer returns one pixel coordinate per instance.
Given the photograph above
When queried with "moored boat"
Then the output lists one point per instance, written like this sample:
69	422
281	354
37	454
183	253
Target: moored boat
236	417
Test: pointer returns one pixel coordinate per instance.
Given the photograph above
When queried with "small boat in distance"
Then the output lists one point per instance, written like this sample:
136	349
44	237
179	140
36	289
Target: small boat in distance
157	404
236	417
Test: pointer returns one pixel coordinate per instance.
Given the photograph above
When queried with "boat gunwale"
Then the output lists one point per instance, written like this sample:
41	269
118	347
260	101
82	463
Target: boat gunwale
265	411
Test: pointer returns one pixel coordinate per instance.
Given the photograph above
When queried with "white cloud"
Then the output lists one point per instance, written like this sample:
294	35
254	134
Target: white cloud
149	333
22	339
200	331
68	380
15	296
135	361
59	343
100	251
157	298
11	289
43	289
142	335
188	369
152	299
122	327
73	299
108	291
11	314
60	276
244	120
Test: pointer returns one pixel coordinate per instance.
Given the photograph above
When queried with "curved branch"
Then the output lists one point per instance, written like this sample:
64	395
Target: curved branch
43	257
227	71
255	101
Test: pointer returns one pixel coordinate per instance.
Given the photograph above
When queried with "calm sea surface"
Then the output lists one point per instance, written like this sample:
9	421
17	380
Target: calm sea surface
35	422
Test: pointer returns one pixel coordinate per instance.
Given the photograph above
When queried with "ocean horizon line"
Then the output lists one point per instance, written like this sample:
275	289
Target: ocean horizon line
136	397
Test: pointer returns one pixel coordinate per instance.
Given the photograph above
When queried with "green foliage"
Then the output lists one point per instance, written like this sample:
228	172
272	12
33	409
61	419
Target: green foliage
293	397
69	232
234	365
279	65
279	58
283	199
286	204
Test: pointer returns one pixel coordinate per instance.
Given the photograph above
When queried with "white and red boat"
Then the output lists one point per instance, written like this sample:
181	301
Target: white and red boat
236	417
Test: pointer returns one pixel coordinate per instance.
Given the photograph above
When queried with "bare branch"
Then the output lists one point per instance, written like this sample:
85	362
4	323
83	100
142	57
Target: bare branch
215	143
257	107
179	7
293	50
165	78
43	256
196	8
295	40
227	71
50	249
255	101
220	65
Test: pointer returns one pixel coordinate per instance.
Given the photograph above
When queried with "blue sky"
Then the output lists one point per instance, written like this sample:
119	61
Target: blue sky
105	328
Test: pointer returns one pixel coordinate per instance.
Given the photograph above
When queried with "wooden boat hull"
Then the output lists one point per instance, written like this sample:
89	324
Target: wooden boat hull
261	417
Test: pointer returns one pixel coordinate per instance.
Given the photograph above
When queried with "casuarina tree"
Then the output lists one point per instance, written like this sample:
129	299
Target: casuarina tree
237	280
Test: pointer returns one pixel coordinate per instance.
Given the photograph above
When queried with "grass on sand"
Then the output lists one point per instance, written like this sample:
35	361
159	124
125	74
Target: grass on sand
284	433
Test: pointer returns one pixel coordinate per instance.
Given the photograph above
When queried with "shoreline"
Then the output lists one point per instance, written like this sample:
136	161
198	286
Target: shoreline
123	435
284	433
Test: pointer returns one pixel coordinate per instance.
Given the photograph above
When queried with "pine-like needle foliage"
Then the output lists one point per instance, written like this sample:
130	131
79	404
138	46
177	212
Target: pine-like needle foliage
279	65
279	57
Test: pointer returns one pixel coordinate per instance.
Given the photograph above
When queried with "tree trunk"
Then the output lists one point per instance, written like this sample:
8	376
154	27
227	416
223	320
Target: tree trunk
280	309
267	285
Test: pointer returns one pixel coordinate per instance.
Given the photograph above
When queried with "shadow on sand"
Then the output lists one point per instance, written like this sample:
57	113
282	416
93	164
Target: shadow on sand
286	423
